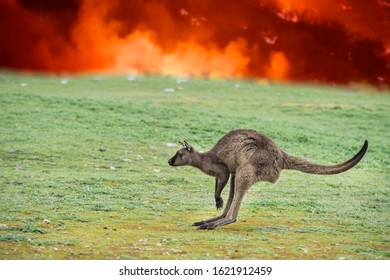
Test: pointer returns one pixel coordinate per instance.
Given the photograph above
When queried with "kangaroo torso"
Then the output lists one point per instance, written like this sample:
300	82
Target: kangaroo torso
244	147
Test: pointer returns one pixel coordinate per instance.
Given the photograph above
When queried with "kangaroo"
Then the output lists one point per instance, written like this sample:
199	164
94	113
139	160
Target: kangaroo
248	157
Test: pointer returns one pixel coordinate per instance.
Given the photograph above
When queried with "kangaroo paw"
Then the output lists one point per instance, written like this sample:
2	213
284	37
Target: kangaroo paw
219	203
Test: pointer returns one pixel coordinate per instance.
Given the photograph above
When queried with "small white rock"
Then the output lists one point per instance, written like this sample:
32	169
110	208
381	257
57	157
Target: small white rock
139	157
176	251
23	84
131	77
143	240
169	90
181	80
171	144
112	167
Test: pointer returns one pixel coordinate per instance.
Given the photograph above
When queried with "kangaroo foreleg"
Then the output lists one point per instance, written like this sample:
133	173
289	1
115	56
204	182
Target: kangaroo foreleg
219	186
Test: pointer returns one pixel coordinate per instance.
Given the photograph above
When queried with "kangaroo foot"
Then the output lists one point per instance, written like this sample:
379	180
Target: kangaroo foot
218	223
208	221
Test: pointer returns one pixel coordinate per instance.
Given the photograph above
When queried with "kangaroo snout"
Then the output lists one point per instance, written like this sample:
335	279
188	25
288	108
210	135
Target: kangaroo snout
172	160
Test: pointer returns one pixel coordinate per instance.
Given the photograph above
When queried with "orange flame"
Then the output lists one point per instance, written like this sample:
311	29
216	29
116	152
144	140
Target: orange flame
325	40
278	67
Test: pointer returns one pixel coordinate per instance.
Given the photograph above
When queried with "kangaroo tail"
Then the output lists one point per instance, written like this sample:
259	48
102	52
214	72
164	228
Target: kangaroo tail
294	163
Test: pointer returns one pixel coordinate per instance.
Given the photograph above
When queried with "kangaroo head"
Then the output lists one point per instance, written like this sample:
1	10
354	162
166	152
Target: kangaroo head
182	156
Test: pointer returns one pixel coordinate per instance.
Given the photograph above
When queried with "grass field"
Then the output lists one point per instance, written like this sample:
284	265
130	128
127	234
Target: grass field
84	173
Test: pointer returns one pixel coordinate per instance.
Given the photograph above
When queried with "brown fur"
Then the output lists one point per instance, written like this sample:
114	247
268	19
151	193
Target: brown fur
249	157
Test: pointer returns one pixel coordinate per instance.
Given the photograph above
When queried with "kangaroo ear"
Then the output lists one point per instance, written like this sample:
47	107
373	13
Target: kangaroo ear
188	146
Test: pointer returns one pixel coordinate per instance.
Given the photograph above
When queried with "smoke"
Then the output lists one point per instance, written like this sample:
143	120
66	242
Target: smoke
325	40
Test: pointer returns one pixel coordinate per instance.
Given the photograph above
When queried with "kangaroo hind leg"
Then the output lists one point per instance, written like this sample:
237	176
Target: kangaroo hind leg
243	181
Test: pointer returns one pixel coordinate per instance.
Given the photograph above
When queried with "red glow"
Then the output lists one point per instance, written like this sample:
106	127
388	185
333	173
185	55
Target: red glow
323	40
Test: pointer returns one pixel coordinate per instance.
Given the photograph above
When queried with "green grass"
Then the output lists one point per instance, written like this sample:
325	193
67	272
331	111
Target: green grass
61	197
